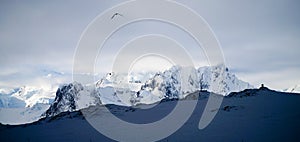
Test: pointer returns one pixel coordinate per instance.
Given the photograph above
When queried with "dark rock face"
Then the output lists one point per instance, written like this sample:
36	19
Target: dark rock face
65	99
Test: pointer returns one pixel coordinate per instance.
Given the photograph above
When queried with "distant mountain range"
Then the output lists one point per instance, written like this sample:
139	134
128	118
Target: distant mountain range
117	89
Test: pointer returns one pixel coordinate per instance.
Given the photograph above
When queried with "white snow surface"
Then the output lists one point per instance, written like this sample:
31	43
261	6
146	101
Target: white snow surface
220	80
26	96
293	89
15	116
179	81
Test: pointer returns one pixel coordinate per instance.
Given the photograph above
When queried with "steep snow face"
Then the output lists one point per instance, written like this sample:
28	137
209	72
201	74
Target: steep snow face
219	80
71	97
108	95
120	89
176	82
294	89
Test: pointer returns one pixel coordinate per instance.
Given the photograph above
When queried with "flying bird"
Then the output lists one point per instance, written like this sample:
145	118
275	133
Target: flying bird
116	14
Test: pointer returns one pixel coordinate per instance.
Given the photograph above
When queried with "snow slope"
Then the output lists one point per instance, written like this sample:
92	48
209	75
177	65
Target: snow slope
72	97
179	81
220	80
245	116
132	81
26	96
119	89
293	89
16	116
176	82
24	105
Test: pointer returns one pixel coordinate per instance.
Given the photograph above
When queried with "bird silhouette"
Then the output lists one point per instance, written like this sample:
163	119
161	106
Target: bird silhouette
116	14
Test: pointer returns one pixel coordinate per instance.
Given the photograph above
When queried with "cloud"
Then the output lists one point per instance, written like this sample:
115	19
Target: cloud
260	39
44	33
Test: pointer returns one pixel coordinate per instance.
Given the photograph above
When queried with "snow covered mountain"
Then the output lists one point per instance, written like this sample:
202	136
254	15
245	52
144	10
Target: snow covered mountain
30	90
132	81
125	90
71	97
178	82
119	89
293	89
24	104
25	96
75	96
220	80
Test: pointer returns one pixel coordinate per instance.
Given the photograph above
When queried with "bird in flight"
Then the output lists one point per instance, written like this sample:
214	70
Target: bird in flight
116	14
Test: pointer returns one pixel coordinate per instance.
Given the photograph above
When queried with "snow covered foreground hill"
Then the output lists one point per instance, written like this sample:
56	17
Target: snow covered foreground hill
250	115
177	82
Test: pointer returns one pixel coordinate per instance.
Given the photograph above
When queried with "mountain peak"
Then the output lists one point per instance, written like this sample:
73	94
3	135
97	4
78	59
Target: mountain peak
174	83
65	99
71	97
179	81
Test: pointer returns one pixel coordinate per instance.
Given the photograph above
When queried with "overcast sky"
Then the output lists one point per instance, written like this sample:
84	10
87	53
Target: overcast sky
259	39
